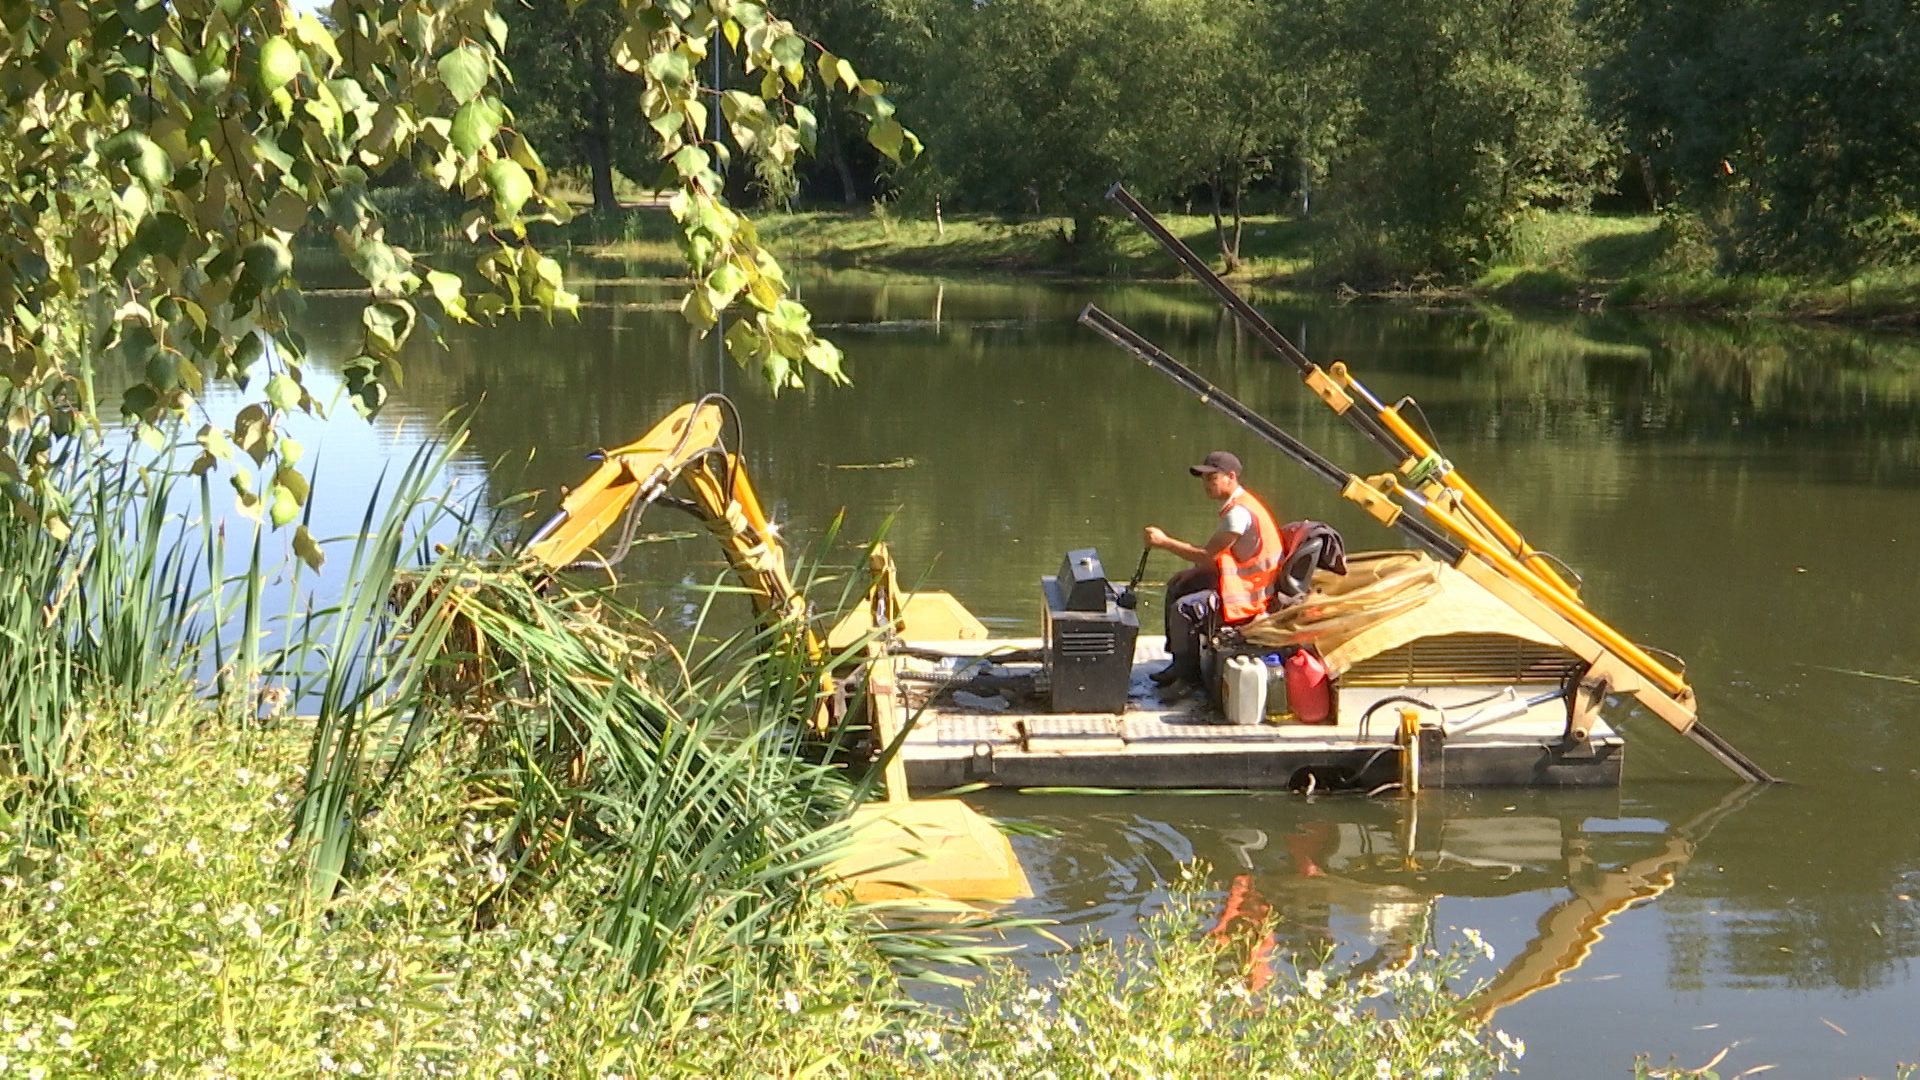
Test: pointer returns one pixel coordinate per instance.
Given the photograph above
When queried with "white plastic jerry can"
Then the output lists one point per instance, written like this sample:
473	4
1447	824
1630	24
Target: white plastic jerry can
1244	690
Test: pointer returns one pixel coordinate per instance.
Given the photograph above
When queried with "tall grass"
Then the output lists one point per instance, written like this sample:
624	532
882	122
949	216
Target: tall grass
593	749
108	610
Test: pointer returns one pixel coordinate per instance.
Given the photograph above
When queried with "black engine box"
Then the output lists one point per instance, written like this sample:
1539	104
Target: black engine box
1089	638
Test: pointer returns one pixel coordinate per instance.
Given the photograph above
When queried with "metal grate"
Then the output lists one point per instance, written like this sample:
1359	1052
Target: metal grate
1085	642
1463	659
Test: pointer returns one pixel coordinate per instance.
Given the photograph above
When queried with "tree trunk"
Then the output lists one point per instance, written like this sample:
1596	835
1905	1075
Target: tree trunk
597	140
1229	248
849	188
1239	219
836	154
600	160
1647	180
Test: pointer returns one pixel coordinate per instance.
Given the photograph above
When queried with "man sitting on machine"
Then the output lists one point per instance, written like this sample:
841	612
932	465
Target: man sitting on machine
1232	578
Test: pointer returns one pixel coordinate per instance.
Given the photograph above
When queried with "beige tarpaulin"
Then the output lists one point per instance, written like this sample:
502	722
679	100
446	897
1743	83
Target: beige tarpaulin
1385	600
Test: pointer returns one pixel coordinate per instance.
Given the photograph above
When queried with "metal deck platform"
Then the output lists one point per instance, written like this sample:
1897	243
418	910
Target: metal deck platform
1181	742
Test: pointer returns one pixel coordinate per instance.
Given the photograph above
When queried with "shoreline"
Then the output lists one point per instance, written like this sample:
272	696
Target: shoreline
1586	262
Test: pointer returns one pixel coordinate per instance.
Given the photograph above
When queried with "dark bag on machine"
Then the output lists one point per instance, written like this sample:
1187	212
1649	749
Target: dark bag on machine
1310	546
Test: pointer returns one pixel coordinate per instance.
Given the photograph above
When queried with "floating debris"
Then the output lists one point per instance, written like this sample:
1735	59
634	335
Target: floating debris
896	463
1908	680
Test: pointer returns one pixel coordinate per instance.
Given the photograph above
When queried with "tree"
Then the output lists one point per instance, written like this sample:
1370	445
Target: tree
1789	126
1469	113
874	35
1041	106
569	98
1272	84
161	156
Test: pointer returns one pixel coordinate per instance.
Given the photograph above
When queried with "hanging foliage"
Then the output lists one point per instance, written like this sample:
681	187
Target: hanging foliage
162	155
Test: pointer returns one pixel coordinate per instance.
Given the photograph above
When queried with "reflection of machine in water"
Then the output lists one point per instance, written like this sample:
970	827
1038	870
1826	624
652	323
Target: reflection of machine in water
1347	869
1570	929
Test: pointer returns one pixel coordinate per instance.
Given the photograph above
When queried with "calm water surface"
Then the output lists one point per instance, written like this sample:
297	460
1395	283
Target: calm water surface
1745	496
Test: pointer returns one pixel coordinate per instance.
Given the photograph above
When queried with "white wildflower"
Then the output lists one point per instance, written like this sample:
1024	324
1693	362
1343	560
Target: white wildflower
1315	983
790	1001
927	1042
1516	1047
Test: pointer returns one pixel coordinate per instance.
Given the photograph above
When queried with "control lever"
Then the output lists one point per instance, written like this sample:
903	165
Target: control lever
1129	597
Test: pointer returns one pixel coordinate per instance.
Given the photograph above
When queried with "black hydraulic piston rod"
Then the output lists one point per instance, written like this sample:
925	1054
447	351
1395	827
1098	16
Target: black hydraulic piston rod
1362	420
1442	546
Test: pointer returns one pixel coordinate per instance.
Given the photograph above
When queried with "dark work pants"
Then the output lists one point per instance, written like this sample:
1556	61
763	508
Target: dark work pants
1192	608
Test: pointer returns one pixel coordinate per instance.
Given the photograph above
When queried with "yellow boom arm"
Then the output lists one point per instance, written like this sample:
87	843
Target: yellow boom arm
642	469
685	445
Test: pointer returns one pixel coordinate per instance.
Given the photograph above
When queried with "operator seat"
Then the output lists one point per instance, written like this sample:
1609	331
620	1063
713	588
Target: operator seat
1296	574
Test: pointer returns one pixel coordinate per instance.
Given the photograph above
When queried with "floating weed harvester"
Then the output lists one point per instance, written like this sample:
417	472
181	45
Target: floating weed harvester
1428	500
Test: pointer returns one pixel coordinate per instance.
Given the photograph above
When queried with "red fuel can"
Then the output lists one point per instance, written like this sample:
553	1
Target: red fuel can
1309	694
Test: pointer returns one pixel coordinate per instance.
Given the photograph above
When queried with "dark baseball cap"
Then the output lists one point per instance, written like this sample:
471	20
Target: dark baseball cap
1218	461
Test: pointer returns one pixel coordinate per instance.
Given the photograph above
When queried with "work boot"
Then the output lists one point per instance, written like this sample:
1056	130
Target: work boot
1181	668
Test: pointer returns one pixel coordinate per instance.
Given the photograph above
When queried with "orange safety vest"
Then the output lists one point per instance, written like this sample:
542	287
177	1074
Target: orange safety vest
1247	585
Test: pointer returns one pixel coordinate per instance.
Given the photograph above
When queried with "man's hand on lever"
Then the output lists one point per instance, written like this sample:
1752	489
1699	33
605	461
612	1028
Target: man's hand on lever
1157	537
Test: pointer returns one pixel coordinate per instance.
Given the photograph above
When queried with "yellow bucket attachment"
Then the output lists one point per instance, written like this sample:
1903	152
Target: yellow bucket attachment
931	849
929	616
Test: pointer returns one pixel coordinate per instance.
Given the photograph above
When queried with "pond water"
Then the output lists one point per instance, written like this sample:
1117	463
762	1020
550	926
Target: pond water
1744	495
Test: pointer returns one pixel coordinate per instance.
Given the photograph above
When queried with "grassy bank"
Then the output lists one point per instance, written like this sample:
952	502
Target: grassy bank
167	940
1644	261
1639	261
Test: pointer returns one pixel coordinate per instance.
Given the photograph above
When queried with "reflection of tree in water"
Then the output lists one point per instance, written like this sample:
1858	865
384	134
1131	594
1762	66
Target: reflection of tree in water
1576	377
1008	383
1837	920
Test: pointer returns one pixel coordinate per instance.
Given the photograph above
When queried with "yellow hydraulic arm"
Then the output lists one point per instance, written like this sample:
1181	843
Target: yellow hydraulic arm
686	445
919	852
641	470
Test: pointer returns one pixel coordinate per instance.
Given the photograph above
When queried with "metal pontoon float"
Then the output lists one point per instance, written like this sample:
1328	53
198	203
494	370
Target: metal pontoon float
1438	683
